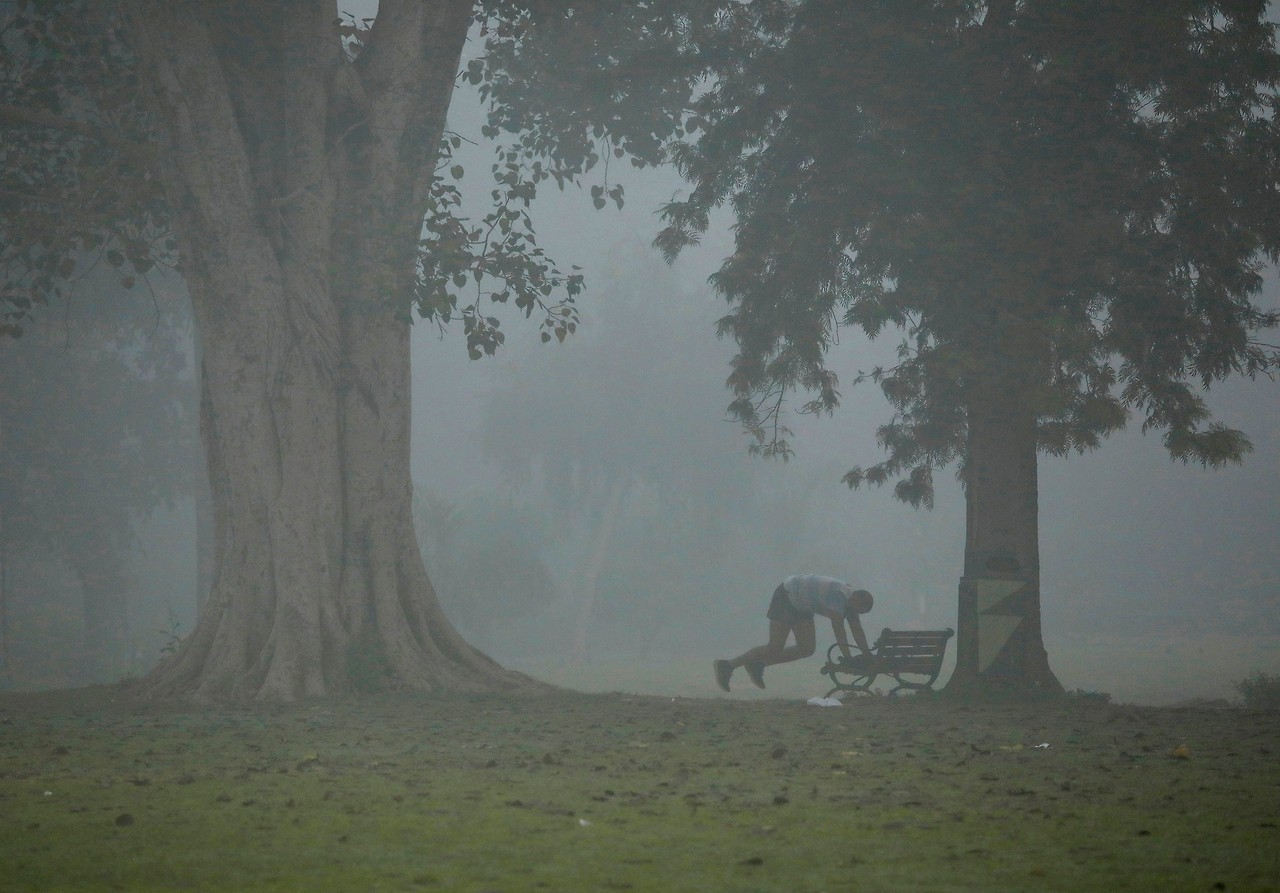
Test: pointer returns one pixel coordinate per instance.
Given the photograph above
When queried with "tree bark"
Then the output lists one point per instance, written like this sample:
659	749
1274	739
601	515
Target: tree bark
299	180
999	647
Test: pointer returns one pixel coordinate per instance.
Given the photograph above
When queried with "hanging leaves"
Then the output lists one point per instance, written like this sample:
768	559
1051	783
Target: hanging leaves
1077	197
466	264
74	173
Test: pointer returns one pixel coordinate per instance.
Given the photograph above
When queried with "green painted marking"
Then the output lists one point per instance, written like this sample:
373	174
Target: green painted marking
994	632
991	592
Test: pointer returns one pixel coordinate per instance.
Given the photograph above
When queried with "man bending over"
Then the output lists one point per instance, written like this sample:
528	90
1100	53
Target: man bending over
791	613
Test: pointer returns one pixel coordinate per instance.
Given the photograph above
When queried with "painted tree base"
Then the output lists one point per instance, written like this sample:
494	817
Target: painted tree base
1042	685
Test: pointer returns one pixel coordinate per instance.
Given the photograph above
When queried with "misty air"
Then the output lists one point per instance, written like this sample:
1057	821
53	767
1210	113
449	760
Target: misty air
670	445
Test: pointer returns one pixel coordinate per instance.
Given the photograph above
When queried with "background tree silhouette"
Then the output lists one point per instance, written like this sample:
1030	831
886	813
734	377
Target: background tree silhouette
96	434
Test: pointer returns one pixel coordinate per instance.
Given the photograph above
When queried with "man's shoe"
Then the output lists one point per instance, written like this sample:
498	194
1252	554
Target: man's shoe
756	672
723	671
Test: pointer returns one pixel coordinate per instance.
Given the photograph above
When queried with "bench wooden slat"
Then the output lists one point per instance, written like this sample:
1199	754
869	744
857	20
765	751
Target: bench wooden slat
911	647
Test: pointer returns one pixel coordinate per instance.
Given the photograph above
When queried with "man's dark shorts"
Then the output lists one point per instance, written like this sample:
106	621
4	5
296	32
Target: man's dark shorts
781	609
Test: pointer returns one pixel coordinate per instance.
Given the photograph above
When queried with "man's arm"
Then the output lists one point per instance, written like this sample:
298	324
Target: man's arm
855	624
837	627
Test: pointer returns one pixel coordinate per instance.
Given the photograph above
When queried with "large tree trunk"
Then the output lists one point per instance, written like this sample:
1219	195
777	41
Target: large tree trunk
999	645
299	181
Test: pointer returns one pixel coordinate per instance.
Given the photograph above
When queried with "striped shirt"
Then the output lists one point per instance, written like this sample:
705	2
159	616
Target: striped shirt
812	594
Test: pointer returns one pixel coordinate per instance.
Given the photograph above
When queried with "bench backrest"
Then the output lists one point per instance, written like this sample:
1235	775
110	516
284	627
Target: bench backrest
918	650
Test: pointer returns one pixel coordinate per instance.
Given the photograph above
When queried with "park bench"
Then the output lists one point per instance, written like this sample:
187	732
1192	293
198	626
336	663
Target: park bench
913	658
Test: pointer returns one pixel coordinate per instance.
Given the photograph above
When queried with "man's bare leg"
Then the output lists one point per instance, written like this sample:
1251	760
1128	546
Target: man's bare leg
776	650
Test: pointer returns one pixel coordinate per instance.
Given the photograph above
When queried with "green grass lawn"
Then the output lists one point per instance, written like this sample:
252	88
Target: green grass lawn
622	792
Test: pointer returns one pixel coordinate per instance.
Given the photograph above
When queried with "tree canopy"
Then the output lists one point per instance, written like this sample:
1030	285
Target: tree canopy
79	185
1094	181
75	193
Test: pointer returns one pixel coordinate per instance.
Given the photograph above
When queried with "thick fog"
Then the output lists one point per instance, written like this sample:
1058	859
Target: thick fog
589	515
1159	581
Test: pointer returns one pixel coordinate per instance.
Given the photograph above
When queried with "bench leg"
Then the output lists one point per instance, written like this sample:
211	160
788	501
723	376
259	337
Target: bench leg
858	682
912	686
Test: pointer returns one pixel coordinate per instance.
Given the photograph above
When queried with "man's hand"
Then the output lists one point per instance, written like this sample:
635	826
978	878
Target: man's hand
855	624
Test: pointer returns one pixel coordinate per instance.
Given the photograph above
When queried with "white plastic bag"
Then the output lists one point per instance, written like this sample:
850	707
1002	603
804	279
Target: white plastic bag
824	702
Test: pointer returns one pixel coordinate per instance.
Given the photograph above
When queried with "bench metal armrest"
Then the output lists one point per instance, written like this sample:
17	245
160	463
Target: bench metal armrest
858	663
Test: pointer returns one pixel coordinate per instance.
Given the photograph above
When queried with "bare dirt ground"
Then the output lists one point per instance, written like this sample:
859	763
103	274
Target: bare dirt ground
620	792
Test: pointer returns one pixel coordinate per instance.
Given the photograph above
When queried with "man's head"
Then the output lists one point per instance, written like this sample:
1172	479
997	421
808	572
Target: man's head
860	602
